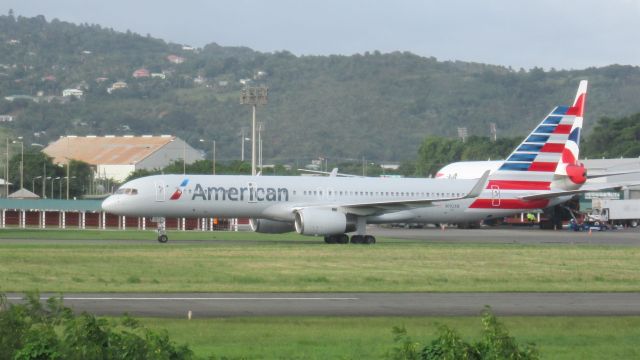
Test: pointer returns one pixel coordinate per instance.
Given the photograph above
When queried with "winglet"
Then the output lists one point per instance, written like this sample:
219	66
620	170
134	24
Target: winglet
479	186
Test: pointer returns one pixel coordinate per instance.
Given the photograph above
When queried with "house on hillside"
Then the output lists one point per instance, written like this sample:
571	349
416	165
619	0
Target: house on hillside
118	85
175	59
141	73
116	157
72	92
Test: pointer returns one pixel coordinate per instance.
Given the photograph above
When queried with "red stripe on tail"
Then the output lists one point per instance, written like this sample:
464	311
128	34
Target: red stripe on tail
543	166
552	148
519	185
578	108
562	129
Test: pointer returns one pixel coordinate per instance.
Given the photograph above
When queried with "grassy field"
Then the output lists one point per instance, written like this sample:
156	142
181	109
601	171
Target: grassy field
289	263
149	235
371	338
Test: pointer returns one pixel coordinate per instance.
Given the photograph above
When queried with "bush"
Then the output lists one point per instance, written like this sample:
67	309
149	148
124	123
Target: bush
496	344
51	331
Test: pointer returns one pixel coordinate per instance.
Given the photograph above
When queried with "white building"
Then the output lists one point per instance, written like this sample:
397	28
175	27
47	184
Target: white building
116	157
72	92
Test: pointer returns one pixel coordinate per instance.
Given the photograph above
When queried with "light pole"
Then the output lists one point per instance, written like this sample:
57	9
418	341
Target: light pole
6	173
21	160
33	183
254	96
184	157
44	183
68	179
44	171
52	180
260	129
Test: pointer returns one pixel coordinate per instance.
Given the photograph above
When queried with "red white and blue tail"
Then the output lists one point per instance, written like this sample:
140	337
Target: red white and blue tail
546	156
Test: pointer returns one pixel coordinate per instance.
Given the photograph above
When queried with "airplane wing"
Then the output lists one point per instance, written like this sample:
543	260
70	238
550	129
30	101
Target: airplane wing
583	189
376	206
333	173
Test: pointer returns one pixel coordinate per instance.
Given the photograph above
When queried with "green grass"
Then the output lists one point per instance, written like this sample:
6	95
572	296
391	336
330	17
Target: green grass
287	263
15	233
371	338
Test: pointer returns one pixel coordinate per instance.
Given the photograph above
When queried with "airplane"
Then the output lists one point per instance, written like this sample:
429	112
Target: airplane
542	171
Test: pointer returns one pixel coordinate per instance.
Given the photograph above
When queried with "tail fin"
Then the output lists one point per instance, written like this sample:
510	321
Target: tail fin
548	153
548	149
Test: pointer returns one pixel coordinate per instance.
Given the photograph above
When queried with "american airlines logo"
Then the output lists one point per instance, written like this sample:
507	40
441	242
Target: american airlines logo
178	193
250	194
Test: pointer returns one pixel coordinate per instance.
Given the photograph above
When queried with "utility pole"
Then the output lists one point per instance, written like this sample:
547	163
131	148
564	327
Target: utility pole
254	96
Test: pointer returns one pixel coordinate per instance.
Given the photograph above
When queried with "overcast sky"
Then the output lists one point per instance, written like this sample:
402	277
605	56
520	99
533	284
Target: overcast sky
564	34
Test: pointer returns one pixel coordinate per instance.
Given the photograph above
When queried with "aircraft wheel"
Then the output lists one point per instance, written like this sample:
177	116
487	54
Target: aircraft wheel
368	239
344	239
356	239
329	239
163	238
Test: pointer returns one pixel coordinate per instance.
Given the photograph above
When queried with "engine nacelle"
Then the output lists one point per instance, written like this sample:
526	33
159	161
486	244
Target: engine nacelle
270	226
322	222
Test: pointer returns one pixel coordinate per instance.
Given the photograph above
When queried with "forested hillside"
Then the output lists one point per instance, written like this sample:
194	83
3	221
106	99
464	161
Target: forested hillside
373	105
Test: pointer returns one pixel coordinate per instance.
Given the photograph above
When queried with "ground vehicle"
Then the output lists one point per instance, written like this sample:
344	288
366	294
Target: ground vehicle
624	212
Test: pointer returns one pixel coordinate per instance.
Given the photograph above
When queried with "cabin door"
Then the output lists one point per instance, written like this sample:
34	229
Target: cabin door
160	190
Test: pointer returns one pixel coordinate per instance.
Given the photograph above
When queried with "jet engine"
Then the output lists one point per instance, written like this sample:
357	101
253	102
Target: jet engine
270	226
322	222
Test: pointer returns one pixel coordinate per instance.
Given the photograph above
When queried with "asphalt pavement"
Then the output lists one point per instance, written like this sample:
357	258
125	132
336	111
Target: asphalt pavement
350	304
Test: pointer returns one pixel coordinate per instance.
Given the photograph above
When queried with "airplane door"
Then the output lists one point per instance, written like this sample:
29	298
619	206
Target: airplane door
160	190
495	195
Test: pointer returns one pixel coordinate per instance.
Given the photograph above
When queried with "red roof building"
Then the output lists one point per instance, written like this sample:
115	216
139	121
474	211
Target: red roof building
141	73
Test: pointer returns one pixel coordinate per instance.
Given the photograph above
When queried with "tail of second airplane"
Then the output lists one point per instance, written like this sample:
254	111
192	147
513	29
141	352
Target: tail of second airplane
546	159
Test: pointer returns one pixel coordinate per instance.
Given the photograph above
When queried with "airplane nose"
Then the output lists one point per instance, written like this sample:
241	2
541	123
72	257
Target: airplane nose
109	204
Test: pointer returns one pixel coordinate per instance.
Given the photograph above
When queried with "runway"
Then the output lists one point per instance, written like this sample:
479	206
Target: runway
205	305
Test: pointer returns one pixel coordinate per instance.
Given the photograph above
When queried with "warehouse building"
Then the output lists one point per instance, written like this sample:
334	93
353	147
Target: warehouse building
115	157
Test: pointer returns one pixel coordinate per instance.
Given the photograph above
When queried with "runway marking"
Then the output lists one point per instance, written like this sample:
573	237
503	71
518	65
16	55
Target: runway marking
195	298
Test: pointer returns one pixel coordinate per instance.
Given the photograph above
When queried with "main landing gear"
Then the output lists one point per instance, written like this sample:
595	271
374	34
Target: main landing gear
344	239
162	231
359	238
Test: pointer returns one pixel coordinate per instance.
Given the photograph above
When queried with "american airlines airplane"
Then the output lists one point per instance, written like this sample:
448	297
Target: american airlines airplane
542	171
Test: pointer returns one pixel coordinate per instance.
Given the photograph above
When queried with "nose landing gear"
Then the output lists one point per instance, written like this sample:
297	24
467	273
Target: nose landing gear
162	231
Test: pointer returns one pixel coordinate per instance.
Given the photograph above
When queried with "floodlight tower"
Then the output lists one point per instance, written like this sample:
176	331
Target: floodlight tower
254	96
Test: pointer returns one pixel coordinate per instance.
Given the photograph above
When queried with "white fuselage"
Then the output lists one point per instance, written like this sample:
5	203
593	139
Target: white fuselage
277	197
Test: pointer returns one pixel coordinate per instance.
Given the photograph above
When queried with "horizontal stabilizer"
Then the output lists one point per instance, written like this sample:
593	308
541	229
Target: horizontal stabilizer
612	174
584	189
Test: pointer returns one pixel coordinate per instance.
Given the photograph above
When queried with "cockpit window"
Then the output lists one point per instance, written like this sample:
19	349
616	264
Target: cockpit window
127	191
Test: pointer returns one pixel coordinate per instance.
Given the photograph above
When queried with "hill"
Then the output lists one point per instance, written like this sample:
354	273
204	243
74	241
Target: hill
372	105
